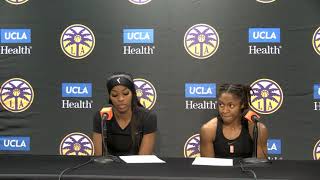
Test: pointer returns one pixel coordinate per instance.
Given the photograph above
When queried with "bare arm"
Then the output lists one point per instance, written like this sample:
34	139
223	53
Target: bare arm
262	141
147	144
207	136
97	142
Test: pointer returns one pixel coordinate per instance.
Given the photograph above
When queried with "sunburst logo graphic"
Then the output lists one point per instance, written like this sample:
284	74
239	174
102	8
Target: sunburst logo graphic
201	41
316	41
192	147
146	93
16	95
76	144
17	2
265	1
316	151
266	96
139	2
77	41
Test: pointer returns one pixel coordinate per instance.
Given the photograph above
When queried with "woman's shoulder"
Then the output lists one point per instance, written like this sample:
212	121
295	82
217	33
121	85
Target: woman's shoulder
208	130
210	125
261	128
144	111
260	124
147	120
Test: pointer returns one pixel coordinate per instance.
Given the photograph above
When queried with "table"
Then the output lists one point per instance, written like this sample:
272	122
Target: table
49	167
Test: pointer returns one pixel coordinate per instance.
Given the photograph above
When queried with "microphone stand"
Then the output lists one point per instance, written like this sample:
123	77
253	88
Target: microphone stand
254	159
105	158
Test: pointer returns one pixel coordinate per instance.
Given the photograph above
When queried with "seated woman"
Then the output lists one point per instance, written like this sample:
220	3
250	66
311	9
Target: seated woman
132	129
230	135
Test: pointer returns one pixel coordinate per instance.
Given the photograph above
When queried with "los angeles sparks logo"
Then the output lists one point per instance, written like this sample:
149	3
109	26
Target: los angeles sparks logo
77	41
266	96
16	95
192	147
201	41
139	2
316	151
77	144
316	41
146	93
16	2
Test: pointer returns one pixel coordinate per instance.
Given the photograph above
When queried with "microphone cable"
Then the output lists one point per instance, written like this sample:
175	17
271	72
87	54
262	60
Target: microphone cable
264	154
247	170
75	167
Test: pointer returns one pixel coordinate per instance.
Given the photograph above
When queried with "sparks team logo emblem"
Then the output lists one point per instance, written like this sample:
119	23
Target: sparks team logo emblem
77	144
201	41
266	96
316	41
17	2
316	151
139	2
266	1
146	93
192	147
77	41
16	95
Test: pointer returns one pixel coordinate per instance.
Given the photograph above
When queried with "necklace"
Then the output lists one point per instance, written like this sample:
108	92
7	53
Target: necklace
231	146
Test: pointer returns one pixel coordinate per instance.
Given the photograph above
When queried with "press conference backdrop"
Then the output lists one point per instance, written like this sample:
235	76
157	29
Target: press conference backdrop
55	57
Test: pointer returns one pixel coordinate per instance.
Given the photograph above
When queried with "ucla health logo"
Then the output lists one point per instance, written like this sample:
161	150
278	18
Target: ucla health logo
316	91
192	147
139	2
138	41
13	37
77	41
146	93
77	144
274	149
316	41
316	96
202	95
200	90
16	95
266	96
76	92
316	151
17	2
264	35
201	41
138	36
12	143
265	40
274	146
265	1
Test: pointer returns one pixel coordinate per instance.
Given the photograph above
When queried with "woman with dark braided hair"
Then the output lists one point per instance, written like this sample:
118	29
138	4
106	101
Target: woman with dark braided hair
132	129
230	135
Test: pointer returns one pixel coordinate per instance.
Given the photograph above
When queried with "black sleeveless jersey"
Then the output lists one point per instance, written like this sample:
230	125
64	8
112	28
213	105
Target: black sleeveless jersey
240	147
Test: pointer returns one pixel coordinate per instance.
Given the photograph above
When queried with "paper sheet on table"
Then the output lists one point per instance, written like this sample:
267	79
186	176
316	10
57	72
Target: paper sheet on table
212	161
141	159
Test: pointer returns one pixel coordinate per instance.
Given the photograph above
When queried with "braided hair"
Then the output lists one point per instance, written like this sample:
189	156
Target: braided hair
239	90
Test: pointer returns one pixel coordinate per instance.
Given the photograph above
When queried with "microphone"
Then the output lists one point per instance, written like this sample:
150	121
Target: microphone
251	116
254	118
106	113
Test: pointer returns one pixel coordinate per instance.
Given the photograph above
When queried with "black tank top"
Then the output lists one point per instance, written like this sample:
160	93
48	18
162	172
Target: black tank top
241	147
